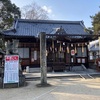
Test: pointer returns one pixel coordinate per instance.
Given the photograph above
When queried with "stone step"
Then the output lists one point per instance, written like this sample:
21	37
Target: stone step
78	68
32	70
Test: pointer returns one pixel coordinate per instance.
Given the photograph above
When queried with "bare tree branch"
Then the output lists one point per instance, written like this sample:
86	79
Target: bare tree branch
34	11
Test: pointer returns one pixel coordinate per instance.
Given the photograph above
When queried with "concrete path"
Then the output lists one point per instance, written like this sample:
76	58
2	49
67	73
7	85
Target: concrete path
60	89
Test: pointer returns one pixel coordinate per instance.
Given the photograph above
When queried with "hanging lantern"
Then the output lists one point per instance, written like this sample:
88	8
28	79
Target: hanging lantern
72	52
82	48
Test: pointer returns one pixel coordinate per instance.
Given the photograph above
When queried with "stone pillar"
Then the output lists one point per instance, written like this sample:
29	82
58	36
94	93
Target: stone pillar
99	47
43	61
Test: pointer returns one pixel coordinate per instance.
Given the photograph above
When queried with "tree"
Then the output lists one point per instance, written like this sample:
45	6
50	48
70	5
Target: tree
8	12
96	23
34	11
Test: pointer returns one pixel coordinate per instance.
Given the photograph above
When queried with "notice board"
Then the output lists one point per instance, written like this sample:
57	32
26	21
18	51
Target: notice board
11	69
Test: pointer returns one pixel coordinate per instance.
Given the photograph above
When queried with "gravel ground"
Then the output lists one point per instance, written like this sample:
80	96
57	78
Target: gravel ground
60	89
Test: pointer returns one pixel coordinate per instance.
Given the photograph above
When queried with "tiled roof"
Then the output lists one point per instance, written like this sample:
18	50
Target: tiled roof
25	27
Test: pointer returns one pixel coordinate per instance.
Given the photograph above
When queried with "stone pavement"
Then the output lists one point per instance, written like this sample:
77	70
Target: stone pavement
63	86
60	89
89	72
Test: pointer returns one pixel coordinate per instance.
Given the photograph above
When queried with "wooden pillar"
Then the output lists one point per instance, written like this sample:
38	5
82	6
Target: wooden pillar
43	62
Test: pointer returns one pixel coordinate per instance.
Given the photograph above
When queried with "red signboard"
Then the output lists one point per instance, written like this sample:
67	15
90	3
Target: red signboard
11	58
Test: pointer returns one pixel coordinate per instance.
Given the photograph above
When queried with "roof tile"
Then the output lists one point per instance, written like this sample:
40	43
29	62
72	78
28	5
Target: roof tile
34	27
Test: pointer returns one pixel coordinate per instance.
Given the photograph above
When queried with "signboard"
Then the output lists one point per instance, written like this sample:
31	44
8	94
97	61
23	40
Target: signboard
72	60
79	60
11	71
72	52
83	60
35	55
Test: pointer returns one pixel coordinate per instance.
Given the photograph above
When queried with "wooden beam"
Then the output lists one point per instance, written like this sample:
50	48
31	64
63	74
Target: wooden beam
72	35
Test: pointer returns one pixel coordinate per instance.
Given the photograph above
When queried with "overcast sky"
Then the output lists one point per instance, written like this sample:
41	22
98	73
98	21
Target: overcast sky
71	10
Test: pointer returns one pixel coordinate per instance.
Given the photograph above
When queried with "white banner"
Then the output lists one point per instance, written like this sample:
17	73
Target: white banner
11	71
35	55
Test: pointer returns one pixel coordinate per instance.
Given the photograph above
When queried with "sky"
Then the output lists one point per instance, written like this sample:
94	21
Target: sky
68	10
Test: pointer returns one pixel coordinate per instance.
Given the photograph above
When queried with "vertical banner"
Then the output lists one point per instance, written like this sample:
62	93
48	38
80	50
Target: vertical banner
35	55
11	71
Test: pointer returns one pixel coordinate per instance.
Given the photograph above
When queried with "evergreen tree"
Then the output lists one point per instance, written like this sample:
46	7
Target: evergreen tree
8	12
96	23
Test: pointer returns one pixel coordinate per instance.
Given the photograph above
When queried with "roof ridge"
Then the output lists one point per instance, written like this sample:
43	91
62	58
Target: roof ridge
49	21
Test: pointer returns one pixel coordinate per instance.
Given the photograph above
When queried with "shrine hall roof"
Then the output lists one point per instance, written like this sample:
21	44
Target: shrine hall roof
25	27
